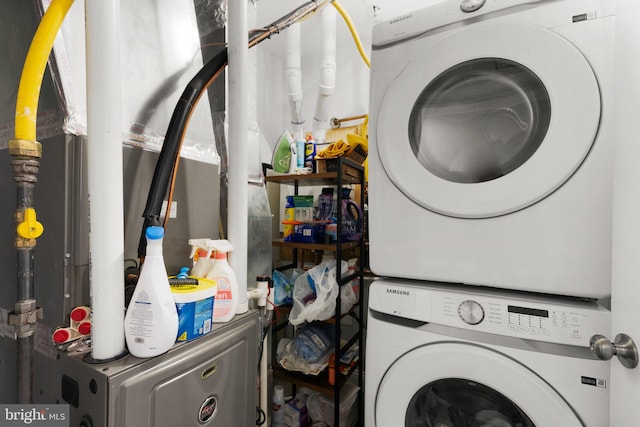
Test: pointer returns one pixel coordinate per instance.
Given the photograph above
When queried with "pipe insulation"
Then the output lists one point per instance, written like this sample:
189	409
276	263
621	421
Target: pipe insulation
294	79
327	84
237	202
173	139
104	159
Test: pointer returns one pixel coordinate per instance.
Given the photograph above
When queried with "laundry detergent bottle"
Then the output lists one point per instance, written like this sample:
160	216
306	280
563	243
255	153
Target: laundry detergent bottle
226	301
151	322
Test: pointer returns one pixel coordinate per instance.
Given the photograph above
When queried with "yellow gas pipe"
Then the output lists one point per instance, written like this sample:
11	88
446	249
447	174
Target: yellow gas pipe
24	143
33	70
26	152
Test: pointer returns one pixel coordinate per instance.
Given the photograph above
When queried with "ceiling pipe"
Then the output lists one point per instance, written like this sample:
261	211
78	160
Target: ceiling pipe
238	210
327	83
294	80
104	159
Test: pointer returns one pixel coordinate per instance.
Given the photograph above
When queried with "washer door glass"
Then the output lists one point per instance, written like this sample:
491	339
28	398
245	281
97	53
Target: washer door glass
476	126
459	402
449	384
479	120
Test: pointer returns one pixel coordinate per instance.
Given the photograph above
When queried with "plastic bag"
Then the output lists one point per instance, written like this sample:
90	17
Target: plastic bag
282	288
309	351
315	293
314	342
347	297
321	408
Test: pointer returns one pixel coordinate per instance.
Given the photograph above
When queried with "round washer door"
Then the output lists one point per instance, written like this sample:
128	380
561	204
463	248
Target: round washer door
485	122
464	384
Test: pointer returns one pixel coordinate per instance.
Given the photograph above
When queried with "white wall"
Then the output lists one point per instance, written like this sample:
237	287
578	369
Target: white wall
352	75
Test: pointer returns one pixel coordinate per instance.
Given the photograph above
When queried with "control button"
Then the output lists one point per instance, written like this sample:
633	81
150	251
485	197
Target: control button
533	331
546	332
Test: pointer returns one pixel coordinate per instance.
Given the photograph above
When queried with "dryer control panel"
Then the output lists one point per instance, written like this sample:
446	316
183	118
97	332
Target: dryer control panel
537	317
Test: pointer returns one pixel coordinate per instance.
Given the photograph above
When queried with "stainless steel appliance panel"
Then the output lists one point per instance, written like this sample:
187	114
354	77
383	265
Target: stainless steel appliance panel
170	390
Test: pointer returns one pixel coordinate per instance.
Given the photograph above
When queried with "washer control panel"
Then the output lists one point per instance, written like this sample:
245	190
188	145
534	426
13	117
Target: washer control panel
535	317
545	321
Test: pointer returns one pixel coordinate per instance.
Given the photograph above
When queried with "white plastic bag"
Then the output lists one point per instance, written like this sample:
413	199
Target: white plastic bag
315	293
347	298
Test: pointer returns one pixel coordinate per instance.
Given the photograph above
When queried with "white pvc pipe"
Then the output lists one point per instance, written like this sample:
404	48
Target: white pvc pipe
294	79
327	83
104	151
238	211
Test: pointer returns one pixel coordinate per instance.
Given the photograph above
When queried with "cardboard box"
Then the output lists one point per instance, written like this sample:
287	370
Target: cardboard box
358	154
331	165
295	413
321	407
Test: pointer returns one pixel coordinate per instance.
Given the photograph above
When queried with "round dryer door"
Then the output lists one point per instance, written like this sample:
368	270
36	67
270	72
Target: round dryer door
454	384
486	122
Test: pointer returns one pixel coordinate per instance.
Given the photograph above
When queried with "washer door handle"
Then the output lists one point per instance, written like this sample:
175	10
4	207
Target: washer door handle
623	347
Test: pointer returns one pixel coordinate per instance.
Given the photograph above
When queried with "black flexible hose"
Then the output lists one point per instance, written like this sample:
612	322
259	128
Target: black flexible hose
173	141
182	112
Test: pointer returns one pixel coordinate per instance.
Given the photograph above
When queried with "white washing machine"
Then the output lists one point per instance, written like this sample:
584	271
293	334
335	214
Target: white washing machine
447	356
491	137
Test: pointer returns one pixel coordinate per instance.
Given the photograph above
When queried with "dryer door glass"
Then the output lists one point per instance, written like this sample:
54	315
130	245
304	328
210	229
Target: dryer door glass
479	120
471	129
460	402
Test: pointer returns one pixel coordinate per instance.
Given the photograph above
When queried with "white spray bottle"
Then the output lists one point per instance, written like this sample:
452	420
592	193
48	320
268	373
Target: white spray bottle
151	322
204	262
226	301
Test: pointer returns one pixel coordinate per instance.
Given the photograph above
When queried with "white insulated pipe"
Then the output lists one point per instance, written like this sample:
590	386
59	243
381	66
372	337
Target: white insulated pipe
327	83
294	79
104	155
237	201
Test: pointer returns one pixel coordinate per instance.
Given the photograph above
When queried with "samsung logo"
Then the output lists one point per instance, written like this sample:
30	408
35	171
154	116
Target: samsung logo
595	382
400	19
398	292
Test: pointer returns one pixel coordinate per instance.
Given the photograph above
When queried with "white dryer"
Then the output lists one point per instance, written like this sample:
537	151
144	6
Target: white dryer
444	356
491	137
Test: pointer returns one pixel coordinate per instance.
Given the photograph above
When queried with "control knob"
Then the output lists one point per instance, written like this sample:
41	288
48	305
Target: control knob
471	312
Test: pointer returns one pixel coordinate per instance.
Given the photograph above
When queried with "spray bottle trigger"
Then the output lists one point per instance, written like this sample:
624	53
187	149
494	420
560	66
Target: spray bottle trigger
200	244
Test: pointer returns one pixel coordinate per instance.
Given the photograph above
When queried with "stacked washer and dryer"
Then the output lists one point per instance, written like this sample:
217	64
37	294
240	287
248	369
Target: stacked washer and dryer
490	172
